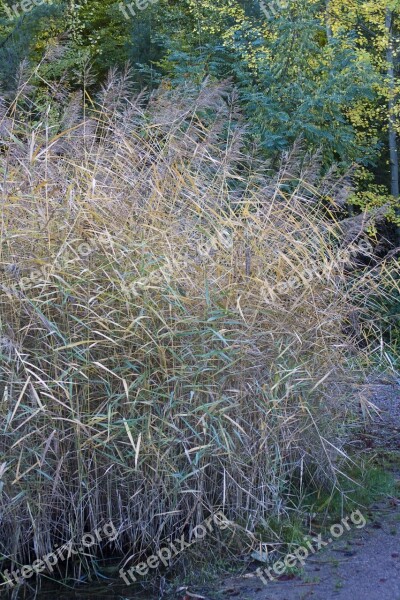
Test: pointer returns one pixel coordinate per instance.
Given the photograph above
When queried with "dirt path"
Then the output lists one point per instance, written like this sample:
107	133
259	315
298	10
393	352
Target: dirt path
361	566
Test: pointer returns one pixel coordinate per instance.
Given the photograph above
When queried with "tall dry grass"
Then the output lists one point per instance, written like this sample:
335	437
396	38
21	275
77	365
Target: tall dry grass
157	373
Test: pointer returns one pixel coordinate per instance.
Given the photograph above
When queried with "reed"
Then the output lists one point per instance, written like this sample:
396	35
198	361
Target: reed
178	334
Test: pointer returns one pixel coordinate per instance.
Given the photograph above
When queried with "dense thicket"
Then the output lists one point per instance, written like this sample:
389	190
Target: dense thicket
323	72
181	332
198	260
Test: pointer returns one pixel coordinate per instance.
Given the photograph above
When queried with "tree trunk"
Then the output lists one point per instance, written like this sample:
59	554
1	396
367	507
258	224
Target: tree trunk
394	158
329	32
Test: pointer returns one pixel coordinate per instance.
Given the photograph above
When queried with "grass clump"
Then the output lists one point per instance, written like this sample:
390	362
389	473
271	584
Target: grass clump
176	322
359	488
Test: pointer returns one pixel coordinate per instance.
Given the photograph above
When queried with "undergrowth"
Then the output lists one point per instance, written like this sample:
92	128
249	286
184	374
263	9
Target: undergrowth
176	322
